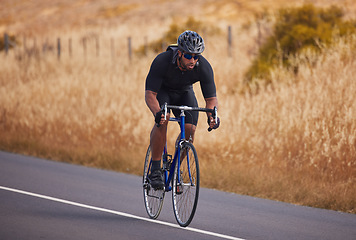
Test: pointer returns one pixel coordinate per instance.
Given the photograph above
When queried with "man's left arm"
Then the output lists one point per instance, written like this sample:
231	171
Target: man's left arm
208	88
211	103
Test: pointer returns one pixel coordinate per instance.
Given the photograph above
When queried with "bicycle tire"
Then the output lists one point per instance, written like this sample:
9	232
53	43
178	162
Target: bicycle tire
186	193
153	199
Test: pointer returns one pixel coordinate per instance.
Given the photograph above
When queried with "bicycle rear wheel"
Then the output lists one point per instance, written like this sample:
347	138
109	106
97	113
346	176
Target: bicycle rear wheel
185	192
153	198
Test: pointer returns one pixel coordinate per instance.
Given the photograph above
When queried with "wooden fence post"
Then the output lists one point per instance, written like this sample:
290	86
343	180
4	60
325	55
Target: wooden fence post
229	40
45	47
85	47
6	40
259	36
35	45
24	44
146	46
112	45
58	48
97	46
70	47
130	50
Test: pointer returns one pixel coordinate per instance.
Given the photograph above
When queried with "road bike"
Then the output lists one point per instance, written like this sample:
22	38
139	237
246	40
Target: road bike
181	173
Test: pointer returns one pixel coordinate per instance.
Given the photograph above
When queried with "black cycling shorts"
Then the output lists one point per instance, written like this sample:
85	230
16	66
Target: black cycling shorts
180	98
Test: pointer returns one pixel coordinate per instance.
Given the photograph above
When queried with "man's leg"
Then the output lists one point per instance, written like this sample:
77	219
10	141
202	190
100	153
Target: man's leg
157	143
191	120
190	131
189	135
158	140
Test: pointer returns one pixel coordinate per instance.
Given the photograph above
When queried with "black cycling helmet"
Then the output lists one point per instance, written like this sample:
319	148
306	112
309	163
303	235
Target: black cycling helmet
190	42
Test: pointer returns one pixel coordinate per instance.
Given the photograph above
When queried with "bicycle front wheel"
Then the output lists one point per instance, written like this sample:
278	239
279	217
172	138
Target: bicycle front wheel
185	185
153	198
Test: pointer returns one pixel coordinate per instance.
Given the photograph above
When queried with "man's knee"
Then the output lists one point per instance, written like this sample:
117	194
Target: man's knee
190	131
159	131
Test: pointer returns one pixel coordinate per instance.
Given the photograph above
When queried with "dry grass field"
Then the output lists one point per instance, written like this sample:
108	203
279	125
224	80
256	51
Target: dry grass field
294	141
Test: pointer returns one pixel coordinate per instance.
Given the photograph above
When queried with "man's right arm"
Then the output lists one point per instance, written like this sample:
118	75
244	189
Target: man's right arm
152	102
154	81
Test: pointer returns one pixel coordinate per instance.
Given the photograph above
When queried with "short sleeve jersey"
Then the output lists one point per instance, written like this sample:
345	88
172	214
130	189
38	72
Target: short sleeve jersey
164	73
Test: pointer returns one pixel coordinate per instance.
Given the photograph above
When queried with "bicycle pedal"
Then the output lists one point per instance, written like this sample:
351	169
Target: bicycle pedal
159	188
179	189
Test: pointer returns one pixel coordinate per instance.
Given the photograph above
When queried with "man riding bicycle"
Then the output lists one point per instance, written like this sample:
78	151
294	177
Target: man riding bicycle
170	80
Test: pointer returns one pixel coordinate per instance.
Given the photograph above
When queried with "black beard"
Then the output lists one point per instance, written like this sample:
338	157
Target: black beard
184	68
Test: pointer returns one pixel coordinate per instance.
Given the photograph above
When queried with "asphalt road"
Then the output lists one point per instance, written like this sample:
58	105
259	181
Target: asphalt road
42	199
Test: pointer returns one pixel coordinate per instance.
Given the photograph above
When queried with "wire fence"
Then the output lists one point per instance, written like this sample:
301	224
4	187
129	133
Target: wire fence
91	44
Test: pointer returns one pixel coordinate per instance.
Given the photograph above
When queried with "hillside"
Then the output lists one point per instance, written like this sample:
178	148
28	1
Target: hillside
41	17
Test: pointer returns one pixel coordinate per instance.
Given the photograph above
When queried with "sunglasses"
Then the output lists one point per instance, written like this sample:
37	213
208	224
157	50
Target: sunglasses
189	56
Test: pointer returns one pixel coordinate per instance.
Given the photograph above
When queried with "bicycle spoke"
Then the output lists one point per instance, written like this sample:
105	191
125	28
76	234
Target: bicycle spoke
153	198
185	194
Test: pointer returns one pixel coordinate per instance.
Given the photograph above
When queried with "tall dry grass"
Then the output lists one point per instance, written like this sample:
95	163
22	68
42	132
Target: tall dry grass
293	141
296	140
82	110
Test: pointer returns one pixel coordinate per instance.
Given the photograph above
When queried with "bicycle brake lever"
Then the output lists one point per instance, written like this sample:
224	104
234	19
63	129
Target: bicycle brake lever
165	111
214	115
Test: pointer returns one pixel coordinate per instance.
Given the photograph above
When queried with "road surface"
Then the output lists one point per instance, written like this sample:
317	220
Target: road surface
42	199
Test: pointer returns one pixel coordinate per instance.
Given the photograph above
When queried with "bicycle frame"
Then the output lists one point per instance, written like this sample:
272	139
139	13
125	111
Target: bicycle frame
182	180
176	158
177	155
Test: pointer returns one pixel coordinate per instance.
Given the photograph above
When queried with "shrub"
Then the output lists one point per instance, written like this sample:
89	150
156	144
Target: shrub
298	29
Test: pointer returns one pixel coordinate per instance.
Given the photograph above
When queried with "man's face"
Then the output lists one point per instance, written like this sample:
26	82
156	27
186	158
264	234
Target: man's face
186	63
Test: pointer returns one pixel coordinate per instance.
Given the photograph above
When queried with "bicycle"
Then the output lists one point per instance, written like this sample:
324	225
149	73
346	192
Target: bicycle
181	173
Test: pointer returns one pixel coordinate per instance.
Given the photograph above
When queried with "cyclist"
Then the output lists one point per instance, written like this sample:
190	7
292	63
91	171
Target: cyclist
170	79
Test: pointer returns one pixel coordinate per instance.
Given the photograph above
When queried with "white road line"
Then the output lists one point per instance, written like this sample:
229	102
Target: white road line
119	213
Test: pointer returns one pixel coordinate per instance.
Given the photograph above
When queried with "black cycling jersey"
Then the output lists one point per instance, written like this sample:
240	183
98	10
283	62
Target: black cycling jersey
165	73
175	87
